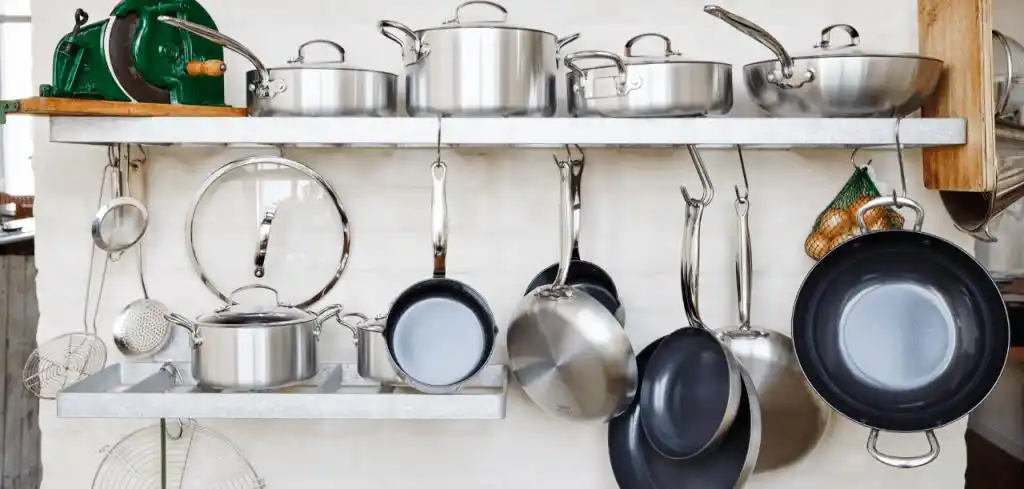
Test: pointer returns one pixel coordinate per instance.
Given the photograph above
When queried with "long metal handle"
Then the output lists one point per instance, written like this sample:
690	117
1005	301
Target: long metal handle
690	272
439	216
565	222
493	5
904	462
577	167
622	84
744	261
769	41
219	38
264	243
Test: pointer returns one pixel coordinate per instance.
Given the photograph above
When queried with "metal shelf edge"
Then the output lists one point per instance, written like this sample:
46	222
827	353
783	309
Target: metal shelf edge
408	132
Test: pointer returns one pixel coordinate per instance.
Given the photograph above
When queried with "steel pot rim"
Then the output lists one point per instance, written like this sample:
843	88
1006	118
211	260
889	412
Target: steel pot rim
814	57
652	62
252	73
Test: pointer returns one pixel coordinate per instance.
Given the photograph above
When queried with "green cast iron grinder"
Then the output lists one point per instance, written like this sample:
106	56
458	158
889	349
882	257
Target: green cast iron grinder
133	57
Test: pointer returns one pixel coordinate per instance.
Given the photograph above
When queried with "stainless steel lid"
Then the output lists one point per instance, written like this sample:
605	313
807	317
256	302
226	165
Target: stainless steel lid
669	56
237	315
826	48
456	22
299	61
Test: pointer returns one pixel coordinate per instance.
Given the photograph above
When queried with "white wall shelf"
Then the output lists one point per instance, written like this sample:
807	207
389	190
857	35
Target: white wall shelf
147	390
510	132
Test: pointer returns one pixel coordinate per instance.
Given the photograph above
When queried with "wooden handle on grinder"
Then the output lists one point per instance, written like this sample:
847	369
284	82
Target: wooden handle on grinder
213	67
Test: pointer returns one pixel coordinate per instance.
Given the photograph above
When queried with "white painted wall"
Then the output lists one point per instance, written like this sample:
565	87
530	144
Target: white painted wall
503	231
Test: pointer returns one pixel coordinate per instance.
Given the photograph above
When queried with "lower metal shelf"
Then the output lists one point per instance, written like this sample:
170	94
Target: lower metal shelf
147	390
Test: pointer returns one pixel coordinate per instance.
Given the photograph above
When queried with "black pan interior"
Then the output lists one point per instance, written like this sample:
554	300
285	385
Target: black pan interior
587	276
637	465
437	327
900	331
686	392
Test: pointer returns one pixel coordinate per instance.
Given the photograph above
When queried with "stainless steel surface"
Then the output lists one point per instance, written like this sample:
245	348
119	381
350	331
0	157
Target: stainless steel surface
1008	77
143	390
975	212
795	419
262	349
478	69
257	160
264	243
1003	257
834	80
373	357
666	85
325	88
758	420
568	352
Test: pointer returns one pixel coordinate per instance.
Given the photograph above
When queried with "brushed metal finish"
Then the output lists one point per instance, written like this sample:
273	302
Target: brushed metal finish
846	86
478	69
795	418
568	352
326	92
834	80
1008	78
256	356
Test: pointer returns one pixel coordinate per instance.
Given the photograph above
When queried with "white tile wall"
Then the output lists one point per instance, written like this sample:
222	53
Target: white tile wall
503	231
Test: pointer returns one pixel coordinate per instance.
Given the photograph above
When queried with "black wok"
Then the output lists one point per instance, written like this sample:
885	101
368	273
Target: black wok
900	331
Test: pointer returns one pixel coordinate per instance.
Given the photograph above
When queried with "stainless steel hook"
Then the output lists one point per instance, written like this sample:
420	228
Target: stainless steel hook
853	160
438	138
903	171
742	198
702	172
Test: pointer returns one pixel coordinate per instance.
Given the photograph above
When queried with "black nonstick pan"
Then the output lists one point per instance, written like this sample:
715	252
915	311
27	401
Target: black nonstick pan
440	332
691	392
900	331
637	465
584	275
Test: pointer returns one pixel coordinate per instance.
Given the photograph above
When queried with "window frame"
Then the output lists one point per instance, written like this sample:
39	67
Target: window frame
8	19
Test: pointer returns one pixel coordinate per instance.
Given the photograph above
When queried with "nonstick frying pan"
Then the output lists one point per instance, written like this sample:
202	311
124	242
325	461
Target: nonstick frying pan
692	389
795	419
637	465
900	331
585	275
573	359
440	332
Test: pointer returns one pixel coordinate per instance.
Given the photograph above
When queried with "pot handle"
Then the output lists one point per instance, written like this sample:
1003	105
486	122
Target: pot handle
231	297
264	243
439	216
267	88
904	462
668	44
785	78
826	36
690	267
184	322
418	48
622	83
567	40
894	201
301	56
493	5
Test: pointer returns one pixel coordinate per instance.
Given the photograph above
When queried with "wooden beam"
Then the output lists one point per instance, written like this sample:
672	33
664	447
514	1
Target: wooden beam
959	32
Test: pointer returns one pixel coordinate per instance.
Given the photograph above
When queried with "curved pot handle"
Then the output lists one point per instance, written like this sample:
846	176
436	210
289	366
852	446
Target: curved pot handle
894	201
233	302
184	322
493	5
905	462
418	48
622	84
783	79
264	242
300	57
567	40
826	36
664	39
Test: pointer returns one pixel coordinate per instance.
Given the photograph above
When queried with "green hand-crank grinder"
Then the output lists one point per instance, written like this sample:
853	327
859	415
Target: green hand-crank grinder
133	57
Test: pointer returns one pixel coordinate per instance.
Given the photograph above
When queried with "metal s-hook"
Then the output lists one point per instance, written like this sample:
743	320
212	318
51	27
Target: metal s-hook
744	197
853	160
702	172
903	171
438	139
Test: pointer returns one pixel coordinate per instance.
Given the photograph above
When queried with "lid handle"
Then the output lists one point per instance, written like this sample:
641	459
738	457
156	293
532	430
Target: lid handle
494	5
668	44
301	56
826	36
231	297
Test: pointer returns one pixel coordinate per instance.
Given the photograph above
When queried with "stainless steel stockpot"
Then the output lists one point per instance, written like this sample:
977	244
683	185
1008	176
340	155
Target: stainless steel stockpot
478	69
669	85
254	349
300	89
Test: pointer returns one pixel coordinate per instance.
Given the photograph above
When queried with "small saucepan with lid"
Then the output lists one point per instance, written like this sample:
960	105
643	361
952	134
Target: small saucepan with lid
834	80
664	85
252	348
307	89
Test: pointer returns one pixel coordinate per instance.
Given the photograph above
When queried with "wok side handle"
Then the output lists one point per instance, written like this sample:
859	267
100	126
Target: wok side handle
904	462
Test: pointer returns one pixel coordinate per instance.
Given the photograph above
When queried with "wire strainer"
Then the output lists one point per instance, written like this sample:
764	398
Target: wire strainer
62	361
192	457
122	221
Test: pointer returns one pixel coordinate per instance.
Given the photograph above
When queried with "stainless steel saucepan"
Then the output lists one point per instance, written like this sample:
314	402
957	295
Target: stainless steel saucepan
834	80
665	85
240	348
307	89
478	69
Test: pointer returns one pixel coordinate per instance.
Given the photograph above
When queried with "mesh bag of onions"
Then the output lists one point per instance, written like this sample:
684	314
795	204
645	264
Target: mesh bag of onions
838	222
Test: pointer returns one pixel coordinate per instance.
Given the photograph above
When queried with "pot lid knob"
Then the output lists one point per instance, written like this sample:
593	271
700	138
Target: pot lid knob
826	37
493	5
300	58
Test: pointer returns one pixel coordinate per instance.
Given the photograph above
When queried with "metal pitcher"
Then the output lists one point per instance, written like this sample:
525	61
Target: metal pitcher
974	212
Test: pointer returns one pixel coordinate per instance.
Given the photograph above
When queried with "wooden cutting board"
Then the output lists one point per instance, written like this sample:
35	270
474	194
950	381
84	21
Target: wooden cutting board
82	107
